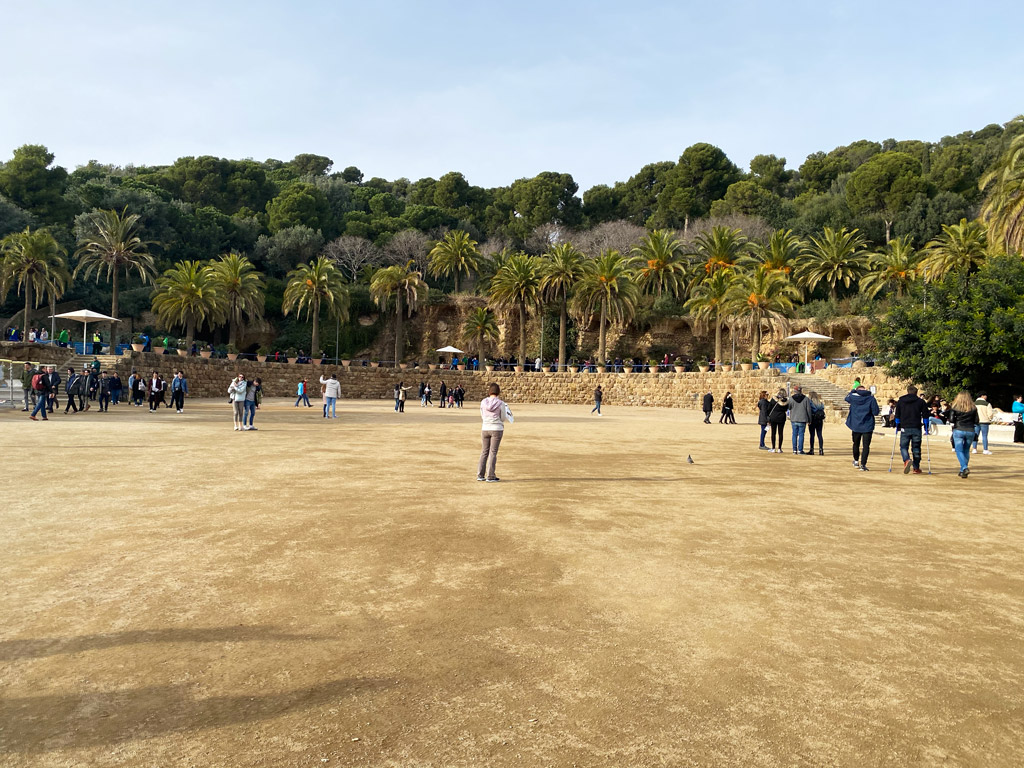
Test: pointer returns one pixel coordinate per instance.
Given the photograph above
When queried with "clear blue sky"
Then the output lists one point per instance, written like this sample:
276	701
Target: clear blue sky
498	91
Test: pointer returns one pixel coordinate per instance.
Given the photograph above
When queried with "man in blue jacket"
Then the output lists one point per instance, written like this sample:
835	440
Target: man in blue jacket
861	421
179	388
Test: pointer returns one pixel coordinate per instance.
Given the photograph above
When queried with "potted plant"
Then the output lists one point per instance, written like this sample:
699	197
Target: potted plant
680	365
263	354
375	363
746	365
138	342
488	365
182	348
206	351
762	363
703	366
574	366
159	345
318	358
232	352
724	367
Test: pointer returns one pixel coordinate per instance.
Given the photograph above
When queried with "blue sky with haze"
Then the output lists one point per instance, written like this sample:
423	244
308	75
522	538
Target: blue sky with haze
498	91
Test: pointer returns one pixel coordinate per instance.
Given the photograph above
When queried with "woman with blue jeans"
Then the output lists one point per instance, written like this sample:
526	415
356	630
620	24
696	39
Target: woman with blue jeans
964	418
253	396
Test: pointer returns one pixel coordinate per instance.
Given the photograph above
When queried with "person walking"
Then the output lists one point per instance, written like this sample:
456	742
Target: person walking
727	416
71	390
179	389
861	421
444	393
1018	424
985	415
964	418
763	404
26	387
253	398
116	388
40	384
598	397
236	391
709	406
53	378
911	418
156	392
799	416
303	394
103	392
422	396
777	419
332	391
817	423
427	391
492	415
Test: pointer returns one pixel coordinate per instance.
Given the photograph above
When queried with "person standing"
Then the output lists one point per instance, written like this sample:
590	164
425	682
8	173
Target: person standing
236	391
777	419
92	385
397	393
332	391
817	423
402	389
83	390
179	389
53	378
156	391
422	396
115	388
861	421
598	397
26	387
63	338
492	414
763	404
1018	424
444	393
103	392
964	418
71	390
709	406
799	416
727	415
985	415
303	394
253	398
911	417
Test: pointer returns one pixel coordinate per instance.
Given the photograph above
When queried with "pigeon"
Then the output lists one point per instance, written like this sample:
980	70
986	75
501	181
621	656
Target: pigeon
689	459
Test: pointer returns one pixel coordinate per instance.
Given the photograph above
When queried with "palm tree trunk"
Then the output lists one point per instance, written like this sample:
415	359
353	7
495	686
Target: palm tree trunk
563	322
601	333
28	303
398	328
232	324
718	341
316	328
522	334
456	281
113	313
755	346
190	333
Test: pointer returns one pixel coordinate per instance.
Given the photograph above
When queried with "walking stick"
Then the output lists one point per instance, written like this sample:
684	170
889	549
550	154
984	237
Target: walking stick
928	446
895	434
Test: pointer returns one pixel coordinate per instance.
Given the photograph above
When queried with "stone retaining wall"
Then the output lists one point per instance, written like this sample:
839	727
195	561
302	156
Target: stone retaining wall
45	354
885	386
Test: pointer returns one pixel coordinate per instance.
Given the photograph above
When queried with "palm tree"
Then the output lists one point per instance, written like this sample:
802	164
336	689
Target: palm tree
782	253
960	248
710	302
242	288
896	267
838	256
480	328
517	284
312	286
759	296
1003	209
188	295
108	245
406	285
561	271
33	263
607	287
662	264
721	248
454	254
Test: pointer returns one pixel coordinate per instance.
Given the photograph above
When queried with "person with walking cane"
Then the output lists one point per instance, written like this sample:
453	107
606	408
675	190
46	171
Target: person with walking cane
911	417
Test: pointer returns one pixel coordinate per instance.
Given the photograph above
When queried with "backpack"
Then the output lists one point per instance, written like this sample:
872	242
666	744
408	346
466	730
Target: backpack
37	382
818	416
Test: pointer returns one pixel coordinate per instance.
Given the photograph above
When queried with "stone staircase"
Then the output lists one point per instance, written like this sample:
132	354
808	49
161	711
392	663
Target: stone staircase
833	396
107	362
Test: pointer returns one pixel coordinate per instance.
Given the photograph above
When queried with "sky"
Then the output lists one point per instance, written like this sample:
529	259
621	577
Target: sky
498	91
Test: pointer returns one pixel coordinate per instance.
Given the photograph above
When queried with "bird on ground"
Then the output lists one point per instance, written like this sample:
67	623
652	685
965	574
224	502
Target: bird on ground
689	459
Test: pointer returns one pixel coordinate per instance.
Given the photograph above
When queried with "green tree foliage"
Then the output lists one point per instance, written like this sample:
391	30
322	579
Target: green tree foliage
609	289
762	296
641	193
28	181
109	244
561	271
299	204
454	254
295	245
959	338
886	184
13	218
1003	210
837	257
33	265
896	268
602	203
820	170
960	249
352	175
547	198
517	285
661	264
769	172
404	285
721	248
313	286
702	175
227	185
712	301
187	295
480	327
783	252
242	288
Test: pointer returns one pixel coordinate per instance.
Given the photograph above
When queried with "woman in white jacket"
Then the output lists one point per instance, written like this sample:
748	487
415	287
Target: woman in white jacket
236	391
492	414
332	391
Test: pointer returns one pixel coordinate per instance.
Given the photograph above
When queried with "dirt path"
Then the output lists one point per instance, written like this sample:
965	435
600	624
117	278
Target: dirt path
344	593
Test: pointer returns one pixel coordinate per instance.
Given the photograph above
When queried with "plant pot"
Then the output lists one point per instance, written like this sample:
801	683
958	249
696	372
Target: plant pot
763	366
318	361
519	369
726	368
346	363
602	369
138	347
232	355
701	368
206	353
653	369
182	352
461	367
375	364
403	366
574	369
158	350
432	366
489	368
552	369
746	366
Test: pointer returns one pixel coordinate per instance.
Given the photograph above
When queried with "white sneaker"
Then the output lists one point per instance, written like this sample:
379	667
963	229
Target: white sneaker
245	428
974	450
236	428
987	453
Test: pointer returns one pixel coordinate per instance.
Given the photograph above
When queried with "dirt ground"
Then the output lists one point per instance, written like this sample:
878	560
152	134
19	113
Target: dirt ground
344	593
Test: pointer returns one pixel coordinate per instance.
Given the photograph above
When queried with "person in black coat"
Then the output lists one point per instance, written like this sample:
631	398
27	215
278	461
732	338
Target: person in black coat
709	406
763	404
53	379
71	390
727	415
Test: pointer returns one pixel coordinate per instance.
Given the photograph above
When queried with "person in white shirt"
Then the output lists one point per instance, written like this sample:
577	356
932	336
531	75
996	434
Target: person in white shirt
332	391
492	414
236	391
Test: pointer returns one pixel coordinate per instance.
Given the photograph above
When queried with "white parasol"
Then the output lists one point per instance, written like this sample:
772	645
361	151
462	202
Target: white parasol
807	337
87	316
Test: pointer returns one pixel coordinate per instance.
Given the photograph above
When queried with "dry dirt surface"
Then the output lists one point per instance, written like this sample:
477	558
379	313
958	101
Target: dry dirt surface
344	592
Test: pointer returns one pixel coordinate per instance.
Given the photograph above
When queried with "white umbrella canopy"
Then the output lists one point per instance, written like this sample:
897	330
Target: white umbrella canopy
452	350
806	337
87	316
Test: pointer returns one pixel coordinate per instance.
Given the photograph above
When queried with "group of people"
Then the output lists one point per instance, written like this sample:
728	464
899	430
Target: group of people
805	413
450	397
330	393
42	387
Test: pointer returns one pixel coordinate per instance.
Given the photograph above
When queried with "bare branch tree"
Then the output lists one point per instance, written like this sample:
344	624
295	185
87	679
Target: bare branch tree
543	237
352	254
616	235
409	244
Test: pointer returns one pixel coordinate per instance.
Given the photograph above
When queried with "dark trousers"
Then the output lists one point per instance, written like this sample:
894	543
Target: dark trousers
707	417
1018	432
911	438
780	430
178	399
154	400
104	400
814	428
860	453
401	406
71	404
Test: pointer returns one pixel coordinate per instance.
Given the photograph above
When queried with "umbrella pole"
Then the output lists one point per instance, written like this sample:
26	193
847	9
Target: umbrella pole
85	334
